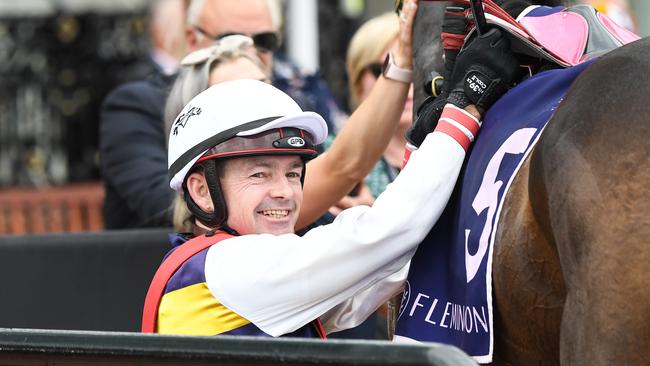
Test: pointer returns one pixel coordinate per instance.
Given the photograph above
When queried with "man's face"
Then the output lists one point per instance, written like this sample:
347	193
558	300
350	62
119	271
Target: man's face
232	16
263	193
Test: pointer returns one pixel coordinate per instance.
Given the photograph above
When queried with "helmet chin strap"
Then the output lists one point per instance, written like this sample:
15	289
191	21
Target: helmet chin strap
217	218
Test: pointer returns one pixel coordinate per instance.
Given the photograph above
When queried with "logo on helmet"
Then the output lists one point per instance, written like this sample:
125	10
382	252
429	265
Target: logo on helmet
296	142
182	120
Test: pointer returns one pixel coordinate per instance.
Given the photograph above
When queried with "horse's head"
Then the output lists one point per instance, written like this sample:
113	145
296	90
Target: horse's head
427	46
534	38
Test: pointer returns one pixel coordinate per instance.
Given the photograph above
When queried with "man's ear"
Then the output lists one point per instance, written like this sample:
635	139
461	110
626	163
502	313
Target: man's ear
198	189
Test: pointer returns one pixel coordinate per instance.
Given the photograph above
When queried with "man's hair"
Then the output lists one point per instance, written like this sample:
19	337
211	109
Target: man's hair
196	6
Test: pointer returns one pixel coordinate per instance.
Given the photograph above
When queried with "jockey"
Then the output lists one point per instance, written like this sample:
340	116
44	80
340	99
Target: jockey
237	154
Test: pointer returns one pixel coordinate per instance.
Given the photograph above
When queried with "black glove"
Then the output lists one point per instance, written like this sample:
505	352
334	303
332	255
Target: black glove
483	72
455	25
428	115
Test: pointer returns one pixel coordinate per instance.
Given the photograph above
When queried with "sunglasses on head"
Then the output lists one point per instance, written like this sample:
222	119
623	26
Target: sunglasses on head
230	44
263	41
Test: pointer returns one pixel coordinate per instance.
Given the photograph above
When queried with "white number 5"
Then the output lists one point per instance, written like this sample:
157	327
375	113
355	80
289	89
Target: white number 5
488	195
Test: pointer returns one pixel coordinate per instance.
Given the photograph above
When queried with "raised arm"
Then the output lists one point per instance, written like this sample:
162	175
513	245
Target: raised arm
286	281
364	137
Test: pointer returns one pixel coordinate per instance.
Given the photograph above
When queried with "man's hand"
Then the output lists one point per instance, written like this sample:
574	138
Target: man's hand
455	25
427	118
403	58
483	72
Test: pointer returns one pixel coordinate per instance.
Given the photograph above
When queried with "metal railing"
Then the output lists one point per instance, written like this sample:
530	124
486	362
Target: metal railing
40	347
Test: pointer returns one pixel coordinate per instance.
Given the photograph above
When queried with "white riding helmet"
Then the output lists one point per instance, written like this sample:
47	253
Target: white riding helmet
234	119
239	108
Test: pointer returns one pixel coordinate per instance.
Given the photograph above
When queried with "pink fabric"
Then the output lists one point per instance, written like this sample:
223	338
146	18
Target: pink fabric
563	34
620	33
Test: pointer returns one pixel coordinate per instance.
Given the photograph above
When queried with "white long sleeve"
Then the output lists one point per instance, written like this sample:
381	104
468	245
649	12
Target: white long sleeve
353	311
280	283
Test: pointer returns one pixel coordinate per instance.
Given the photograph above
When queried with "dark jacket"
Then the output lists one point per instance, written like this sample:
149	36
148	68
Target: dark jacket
133	155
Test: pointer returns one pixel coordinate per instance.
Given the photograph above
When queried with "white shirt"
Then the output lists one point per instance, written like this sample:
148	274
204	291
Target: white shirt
343	271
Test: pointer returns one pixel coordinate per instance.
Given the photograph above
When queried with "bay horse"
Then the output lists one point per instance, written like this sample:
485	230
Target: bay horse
571	258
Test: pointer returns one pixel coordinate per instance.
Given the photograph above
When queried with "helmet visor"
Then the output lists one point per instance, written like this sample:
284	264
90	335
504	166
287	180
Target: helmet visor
279	141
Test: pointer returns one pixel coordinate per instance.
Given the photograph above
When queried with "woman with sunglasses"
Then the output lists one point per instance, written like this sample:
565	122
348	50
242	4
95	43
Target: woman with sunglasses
359	144
368	49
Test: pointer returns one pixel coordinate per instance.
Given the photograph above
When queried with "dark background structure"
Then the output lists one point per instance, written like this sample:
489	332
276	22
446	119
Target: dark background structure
57	64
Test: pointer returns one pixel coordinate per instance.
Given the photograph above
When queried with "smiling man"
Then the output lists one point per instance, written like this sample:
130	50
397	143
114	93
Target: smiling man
239	161
264	195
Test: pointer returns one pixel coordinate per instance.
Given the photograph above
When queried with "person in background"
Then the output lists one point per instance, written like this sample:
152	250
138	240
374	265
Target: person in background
366	52
132	142
209	20
166	30
131	137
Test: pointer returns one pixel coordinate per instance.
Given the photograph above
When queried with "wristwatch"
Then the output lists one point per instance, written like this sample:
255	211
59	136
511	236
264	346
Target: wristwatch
394	72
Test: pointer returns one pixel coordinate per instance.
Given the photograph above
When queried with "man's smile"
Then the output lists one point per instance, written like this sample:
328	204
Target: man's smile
275	213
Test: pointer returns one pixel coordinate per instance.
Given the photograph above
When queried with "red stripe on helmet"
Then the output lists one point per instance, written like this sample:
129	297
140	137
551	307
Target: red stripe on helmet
259	152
